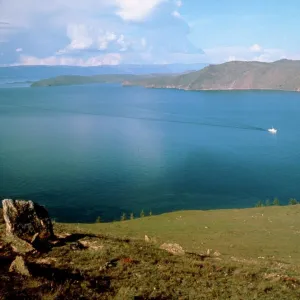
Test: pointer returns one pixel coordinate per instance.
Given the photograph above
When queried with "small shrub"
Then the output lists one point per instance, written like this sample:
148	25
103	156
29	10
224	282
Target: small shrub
293	201
123	217
142	214
98	220
276	201
259	204
268	203
131	216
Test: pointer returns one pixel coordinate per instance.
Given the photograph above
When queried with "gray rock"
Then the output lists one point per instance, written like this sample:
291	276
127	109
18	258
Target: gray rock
27	220
173	249
18	266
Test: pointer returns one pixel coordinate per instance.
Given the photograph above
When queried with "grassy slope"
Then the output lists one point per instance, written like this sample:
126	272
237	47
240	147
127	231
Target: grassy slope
280	75
259	258
270	232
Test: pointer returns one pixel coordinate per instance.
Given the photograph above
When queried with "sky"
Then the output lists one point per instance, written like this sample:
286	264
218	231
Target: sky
112	32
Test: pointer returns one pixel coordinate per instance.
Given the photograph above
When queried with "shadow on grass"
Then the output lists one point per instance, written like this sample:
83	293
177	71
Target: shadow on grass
75	237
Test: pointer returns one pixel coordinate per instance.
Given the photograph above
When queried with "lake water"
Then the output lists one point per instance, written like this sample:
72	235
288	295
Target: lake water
101	150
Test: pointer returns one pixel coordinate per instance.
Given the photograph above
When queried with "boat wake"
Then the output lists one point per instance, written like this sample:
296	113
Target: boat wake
214	123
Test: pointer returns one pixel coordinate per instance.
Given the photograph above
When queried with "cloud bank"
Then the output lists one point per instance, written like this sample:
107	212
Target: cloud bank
94	32
97	32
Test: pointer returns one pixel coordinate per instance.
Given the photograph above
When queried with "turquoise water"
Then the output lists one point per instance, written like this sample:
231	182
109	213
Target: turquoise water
85	151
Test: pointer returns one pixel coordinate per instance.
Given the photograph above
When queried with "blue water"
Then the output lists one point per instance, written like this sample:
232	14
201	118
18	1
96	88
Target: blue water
100	150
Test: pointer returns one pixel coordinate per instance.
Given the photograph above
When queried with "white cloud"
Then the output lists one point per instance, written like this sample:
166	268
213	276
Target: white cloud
256	48
122	43
104	40
136	10
178	3
109	59
269	55
176	14
60	29
143	42
84	37
19	50
79	36
253	53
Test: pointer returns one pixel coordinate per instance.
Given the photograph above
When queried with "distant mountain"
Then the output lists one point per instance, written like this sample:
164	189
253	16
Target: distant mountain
236	75
34	73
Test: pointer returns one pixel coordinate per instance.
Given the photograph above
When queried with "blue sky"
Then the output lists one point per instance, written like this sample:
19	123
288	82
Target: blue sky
109	32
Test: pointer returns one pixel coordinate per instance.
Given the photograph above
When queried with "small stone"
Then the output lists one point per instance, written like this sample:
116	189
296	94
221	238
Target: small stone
147	239
217	254
63	235
175	249
18	266
92	245
109	264
77	246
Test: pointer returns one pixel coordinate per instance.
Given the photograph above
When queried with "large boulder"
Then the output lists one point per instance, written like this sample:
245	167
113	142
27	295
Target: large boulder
27	220
1	216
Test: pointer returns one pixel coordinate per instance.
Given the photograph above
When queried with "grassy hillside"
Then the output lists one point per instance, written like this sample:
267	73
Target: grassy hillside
236	75
265	231
229	254
279	75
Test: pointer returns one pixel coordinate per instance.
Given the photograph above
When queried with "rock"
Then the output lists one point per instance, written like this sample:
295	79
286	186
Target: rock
110	264
63	236
147	239
46	261
173	248
91	244
19	246
18	266
1	216
27	220
77	246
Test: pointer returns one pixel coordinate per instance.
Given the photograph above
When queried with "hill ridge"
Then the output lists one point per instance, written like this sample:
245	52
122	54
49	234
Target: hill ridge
283	74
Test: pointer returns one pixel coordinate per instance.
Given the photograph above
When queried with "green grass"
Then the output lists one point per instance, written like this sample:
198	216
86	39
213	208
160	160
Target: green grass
268	232
254	254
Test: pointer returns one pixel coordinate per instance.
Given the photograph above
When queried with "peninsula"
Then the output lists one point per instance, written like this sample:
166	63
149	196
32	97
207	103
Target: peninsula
79	80
235	75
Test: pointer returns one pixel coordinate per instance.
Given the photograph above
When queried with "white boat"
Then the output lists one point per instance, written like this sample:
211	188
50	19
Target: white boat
272	130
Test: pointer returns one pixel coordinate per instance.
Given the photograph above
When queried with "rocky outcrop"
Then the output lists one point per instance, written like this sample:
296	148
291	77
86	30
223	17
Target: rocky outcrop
1	216
27	221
